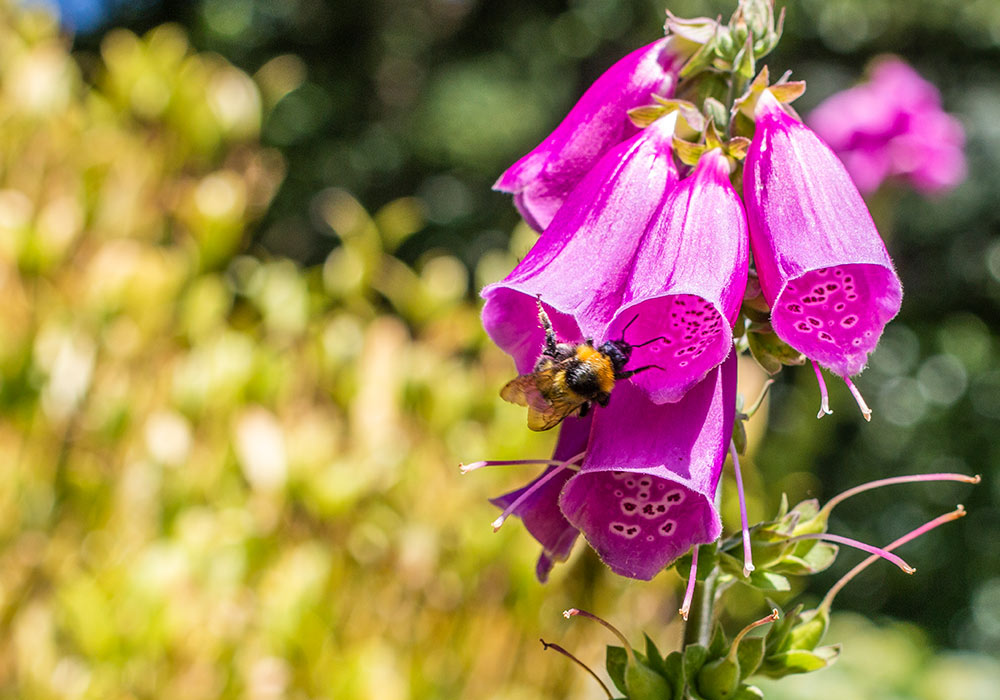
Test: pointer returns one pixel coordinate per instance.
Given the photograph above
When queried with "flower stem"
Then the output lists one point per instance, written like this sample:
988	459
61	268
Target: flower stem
585	667
910	478
913	534
698	629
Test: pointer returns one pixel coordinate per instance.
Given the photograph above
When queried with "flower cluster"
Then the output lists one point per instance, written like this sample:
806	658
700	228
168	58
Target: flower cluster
893	126
646	242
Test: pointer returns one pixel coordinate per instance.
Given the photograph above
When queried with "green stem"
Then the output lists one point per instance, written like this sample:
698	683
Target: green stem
698	629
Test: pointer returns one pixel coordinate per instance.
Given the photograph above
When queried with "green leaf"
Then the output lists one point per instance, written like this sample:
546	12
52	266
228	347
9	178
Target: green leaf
615	661
767	581
771	353
750	653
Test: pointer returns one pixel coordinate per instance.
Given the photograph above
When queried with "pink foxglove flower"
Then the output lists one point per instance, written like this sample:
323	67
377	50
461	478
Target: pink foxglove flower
893	126
580	265
631	255
646	490
823	268
542	179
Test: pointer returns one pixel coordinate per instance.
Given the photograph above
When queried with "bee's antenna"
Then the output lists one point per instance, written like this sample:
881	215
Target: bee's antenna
653	340
627	325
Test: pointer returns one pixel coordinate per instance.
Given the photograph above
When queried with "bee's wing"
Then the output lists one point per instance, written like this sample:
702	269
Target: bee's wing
524	391
539	421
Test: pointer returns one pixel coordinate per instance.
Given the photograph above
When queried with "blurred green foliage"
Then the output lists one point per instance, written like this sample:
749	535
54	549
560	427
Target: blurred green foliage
241	355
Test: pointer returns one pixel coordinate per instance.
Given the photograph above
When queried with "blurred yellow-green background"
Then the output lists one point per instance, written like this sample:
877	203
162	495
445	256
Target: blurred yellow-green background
241	360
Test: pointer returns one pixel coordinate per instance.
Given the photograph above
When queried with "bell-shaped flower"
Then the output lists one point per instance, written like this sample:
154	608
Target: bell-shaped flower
645	493
823	268
634	256
542	179
537	503
580	266
893	126
687	282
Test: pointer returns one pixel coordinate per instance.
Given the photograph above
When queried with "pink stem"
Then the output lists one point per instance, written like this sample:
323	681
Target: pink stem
473	466
824	398
865	411
871	549
910	478
534	487
689	591
747	553
913	534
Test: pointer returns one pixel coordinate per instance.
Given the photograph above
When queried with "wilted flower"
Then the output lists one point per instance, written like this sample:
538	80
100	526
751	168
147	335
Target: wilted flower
823	268
542	179
645	492
893	126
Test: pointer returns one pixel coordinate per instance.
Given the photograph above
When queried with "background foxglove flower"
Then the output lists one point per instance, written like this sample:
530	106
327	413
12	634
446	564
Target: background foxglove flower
893	126
581	264
823	268
542	179
646	490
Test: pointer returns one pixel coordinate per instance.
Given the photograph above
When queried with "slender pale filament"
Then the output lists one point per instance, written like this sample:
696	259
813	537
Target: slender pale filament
747	553
824	398
871	549
530	490
689	591
909	478
865	411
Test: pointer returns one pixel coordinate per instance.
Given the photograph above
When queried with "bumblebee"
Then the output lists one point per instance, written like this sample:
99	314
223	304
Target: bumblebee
569	378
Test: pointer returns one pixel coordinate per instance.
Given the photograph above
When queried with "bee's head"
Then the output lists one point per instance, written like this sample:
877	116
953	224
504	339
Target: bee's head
618	351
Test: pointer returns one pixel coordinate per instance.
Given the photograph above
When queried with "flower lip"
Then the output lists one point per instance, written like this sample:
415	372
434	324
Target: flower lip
835	315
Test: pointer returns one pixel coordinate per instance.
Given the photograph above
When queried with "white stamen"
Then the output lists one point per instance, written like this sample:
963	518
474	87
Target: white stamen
865	411
824	398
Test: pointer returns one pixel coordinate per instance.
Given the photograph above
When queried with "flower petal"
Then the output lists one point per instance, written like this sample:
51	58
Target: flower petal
646	491
687	283
580	265
542	179
822	266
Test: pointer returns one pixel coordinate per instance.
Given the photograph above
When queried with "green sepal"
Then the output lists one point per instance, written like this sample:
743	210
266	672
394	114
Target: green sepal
673	671
646	115
718	116
740	436
719	645
745	62
817	558
719	679
771	352
768	581
782	627
615	661
809	631
799	661
688	152
653	657
695	656
749	692
643	683
750	654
